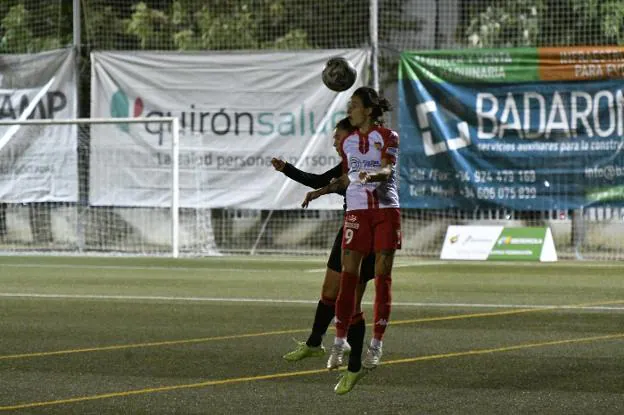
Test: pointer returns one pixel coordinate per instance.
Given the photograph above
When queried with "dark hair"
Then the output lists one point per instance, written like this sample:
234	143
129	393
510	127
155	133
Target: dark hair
344	124
371	99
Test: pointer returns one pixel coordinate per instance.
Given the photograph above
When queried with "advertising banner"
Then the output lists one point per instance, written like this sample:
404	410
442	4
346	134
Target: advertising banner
237	110
525	129
38	163
498	243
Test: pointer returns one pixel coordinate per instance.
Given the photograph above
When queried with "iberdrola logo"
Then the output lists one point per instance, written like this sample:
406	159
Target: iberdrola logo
120	108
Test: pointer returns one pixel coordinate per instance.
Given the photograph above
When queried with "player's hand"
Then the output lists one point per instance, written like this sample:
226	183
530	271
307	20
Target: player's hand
278	164
310	196
364	177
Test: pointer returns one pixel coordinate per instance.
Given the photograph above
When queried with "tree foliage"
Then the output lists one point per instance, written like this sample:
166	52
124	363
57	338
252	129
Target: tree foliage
514	23
225	24
24	30
35	25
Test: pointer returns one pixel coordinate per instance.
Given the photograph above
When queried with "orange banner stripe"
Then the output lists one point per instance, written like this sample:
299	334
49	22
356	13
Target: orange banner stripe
581	63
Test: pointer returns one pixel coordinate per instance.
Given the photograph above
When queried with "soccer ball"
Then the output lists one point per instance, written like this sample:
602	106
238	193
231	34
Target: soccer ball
339	74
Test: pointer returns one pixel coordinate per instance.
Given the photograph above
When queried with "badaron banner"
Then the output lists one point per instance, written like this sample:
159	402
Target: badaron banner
38	163
237	110
524	129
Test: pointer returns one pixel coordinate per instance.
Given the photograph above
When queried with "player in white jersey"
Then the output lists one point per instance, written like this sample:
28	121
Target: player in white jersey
372	221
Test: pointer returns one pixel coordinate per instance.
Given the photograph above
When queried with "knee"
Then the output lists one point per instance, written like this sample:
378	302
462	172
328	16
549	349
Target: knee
383	263
351	267
331	285
329	290
351	262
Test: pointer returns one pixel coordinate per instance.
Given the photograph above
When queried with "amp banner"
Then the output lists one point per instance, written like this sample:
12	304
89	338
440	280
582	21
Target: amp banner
524	129
38	163
237	110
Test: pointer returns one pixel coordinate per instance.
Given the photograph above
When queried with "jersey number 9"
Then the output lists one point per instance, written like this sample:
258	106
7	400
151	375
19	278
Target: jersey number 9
348	235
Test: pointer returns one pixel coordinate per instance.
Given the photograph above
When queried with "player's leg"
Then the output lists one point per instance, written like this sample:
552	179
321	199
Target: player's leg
382	306
357	328
387	234
355	241
345	305
325	308
357	331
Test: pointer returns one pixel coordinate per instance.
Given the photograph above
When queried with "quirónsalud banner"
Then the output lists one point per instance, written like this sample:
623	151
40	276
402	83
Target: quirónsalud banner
38	163
237	110
525	129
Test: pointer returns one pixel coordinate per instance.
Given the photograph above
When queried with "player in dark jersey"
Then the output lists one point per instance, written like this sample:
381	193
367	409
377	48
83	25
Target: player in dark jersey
325	309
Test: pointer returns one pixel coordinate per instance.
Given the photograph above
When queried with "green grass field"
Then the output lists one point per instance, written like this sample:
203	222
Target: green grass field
159	336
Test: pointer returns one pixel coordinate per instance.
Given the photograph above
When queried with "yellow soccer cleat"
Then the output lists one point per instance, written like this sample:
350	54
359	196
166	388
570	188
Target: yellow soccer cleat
348	381
302	351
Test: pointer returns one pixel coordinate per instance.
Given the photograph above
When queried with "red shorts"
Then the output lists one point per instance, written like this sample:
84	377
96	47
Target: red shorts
372	230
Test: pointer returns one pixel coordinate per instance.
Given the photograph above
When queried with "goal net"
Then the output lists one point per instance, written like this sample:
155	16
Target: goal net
58	212
67	186
64	188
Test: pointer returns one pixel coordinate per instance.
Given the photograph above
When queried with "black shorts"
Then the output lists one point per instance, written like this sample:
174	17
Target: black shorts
367	271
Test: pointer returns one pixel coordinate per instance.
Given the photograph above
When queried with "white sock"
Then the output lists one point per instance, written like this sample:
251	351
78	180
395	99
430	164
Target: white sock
340	341
376	343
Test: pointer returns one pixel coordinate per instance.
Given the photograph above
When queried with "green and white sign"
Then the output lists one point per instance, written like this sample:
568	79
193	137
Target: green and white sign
498	243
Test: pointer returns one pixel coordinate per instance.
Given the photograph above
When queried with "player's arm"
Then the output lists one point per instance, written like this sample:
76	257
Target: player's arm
337	186
381	175
315	181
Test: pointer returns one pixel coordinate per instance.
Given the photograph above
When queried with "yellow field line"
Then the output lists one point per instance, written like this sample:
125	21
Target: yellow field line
502	349
149	344
303	372
292	331
503	313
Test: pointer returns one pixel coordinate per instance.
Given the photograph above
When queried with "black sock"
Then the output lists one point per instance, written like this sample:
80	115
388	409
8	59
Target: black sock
355	337
322	318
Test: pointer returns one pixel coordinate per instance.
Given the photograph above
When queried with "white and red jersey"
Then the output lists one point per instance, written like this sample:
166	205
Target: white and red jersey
364	152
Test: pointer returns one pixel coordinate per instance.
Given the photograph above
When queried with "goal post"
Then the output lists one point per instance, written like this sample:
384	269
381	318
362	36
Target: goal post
76	172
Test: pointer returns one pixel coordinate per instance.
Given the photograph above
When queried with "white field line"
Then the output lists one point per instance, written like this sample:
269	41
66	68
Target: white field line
198	268
398	265
291	301
136	267
225	268
426	263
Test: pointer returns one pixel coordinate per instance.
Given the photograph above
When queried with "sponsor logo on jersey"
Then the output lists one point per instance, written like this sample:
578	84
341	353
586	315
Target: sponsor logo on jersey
351	222
355	164
372	164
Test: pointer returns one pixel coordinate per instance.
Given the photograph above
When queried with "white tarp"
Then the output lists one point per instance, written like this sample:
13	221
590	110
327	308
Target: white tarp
236	110
38	163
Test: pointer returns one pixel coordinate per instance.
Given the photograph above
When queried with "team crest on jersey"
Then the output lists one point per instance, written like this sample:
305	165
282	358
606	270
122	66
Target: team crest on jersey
351	218
378	146
391	151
